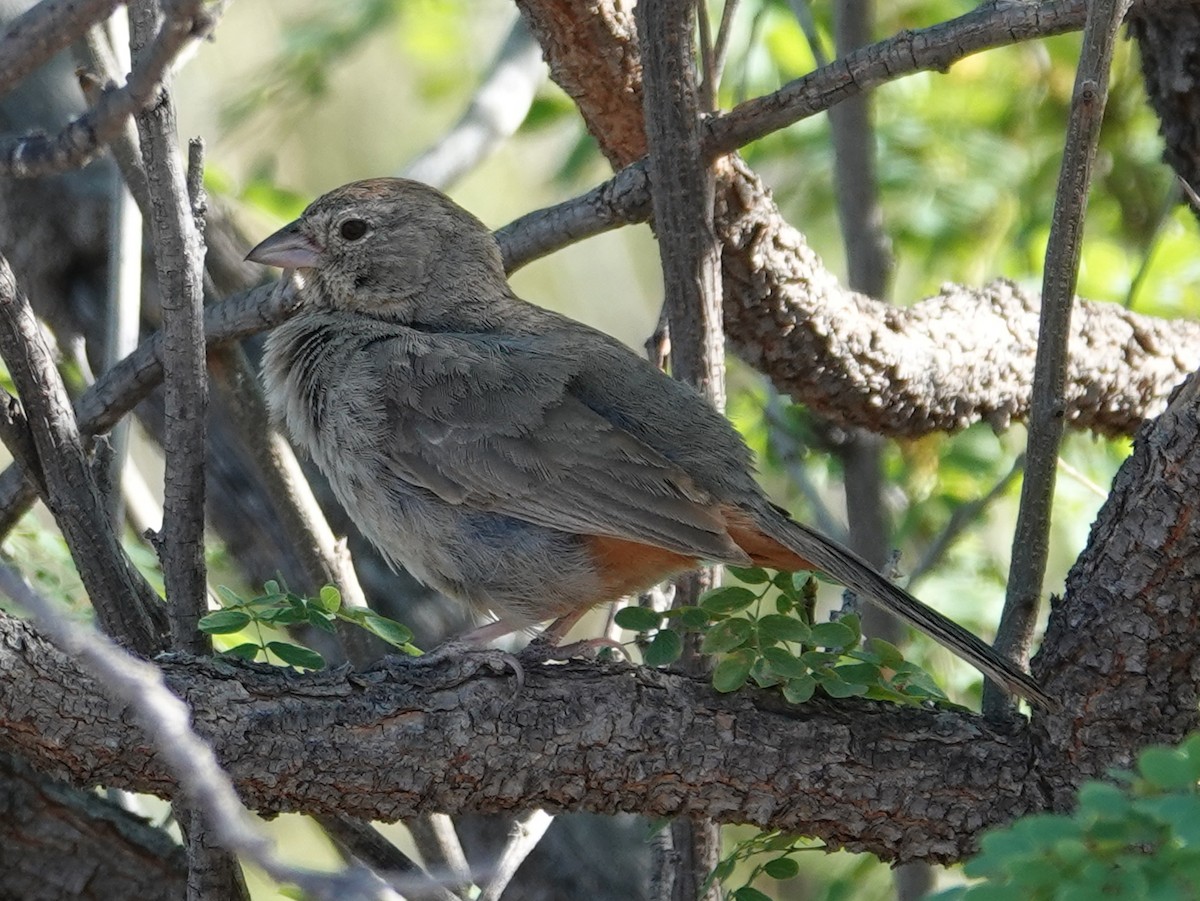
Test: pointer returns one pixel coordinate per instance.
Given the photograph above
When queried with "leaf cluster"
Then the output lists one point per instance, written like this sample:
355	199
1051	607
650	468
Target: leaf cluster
276	609
763	630
1136	839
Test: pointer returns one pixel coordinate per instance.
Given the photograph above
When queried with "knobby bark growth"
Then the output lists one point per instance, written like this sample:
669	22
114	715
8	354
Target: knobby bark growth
903	784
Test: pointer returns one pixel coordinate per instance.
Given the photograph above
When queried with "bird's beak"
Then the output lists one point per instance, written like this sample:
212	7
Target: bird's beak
288	248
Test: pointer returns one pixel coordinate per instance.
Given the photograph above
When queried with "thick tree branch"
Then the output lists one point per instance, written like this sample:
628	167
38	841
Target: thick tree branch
788	316
58	842
315	743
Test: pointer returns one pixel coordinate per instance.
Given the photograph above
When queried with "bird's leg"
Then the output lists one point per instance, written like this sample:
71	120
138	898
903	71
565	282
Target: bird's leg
546	646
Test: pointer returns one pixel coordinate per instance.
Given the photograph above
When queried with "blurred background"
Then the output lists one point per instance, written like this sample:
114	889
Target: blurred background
294	97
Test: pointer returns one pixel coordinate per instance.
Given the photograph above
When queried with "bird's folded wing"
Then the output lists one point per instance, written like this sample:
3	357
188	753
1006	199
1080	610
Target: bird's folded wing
491	423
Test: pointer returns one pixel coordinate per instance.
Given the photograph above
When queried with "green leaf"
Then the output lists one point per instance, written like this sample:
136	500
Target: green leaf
777	627
732	672
222	622
889	655
665	648
389	630
284	616
248	651
1167	768
638	619
862	673
832	635
692	617
319	619
782	868
228	597
330	599
762	675
727	599
839	688
751	575
726	636
784	663
800	690
294	655
748	893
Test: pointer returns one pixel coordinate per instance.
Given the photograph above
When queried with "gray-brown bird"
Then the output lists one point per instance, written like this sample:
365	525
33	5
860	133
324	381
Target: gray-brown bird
509	456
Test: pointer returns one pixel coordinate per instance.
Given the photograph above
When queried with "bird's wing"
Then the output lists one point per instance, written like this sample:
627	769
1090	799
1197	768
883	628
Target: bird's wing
490	423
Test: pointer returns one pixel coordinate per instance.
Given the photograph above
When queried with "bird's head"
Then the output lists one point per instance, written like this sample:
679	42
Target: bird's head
391	248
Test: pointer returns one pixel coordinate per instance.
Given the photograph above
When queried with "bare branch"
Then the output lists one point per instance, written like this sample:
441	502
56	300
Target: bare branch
933	49
179	261
82	139
40	32
126	605
1048	406
526	833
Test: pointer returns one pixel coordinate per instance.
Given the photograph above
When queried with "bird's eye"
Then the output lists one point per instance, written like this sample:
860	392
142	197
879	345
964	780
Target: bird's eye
353	229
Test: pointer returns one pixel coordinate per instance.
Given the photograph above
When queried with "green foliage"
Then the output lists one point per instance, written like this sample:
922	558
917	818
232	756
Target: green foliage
780	852
766	634
1138	839
276	608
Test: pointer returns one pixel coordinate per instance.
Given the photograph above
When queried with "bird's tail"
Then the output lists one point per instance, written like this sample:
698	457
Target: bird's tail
776	541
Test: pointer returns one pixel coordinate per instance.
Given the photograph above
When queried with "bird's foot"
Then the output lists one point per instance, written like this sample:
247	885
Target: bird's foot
543	650
471	659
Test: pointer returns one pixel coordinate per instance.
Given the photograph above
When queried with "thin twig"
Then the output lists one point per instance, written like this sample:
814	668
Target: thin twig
368	845
40	32
125	604
437	840
625	198
526	833
960	520
721	51
1047	412
79	141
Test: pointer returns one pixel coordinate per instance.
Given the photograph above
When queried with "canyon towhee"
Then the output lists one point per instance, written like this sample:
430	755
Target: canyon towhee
509	456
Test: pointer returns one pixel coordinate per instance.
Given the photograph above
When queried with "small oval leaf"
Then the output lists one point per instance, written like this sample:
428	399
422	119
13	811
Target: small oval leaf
728	599
726	636
782	868
638	619
666	648
389	630
294	655
751	575
222	622
777	627
732	672
832	635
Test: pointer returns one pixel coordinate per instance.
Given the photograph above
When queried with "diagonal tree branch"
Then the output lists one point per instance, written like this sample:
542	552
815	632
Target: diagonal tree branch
1031	539
82	139
38	33
126	605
